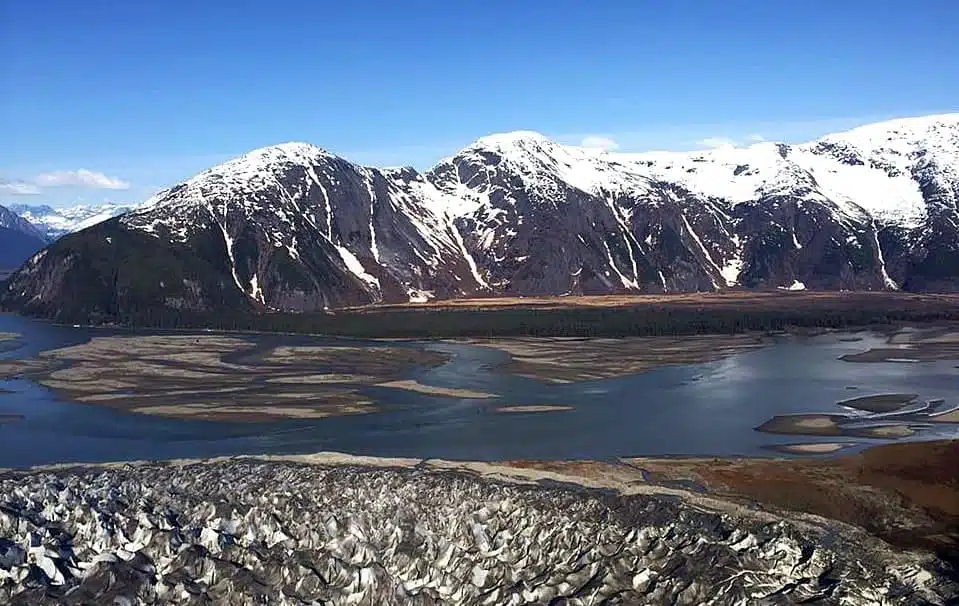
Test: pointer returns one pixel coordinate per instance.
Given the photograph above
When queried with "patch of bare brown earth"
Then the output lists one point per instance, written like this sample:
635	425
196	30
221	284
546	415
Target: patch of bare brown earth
734	300
907	493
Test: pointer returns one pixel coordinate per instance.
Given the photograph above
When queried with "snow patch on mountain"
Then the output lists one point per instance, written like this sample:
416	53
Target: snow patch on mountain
542	162
353	264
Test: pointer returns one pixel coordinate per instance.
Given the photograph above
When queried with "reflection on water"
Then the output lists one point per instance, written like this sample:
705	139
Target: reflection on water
698	409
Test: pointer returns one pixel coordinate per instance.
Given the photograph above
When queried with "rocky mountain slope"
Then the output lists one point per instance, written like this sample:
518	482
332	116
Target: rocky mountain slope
338	530
57	222
294	227
19	239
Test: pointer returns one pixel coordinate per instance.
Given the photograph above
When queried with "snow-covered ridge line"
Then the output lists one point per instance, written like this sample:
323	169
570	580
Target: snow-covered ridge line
55	222
868	167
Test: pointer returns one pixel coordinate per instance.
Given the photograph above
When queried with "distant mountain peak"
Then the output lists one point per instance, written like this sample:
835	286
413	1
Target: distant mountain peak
56	222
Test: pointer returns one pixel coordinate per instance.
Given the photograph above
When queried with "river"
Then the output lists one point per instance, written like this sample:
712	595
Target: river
709	409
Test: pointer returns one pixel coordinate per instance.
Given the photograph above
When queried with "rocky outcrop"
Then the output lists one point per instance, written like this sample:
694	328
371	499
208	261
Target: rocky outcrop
253	531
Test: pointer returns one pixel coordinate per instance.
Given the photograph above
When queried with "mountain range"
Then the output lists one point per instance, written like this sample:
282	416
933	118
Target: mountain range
57	222
294	227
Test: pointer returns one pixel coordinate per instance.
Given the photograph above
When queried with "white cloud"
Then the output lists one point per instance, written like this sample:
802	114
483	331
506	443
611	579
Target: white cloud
756	138
716	142
599	142
18	188
80	178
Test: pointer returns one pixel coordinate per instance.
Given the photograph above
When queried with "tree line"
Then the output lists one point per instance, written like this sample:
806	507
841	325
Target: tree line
429	323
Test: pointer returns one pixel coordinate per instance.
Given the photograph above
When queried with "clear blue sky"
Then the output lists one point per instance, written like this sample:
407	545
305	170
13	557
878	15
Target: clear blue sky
145	93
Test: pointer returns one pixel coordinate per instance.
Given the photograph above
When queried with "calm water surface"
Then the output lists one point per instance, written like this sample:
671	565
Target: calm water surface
699	409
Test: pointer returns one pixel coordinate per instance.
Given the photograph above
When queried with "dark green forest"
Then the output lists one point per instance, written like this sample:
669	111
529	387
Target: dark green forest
637	320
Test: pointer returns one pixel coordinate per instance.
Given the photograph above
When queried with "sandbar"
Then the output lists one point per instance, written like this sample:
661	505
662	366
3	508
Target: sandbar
573	359
883	431
324	379
433	390
813	447
224	377
8	336
880	403
251	413
949	416
533	408
912	346
803	424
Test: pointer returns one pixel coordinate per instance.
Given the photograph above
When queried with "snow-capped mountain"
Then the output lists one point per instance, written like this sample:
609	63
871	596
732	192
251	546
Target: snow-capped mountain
301	228
18	240
56	222
9	219
871	208
295	227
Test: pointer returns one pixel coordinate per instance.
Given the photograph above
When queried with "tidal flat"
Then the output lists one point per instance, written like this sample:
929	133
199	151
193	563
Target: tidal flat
218	377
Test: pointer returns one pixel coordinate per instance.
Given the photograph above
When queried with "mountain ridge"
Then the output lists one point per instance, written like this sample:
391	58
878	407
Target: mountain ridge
57	222
295	227
19	239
